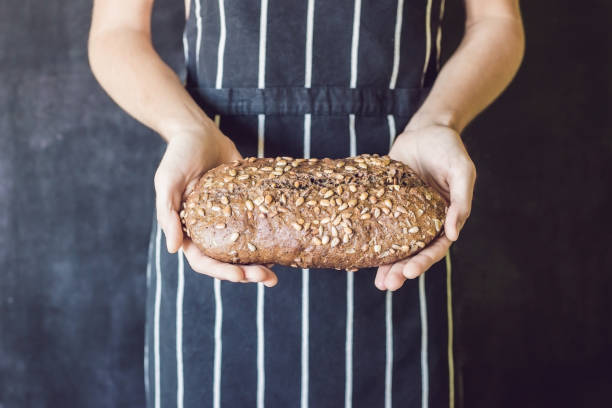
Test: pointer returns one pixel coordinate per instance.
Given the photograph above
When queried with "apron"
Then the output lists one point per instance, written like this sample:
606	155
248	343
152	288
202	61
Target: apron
303	78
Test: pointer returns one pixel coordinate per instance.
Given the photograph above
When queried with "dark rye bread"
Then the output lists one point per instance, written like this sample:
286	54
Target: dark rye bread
350	213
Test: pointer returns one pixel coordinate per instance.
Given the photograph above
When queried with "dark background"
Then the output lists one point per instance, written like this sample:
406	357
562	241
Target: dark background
532	287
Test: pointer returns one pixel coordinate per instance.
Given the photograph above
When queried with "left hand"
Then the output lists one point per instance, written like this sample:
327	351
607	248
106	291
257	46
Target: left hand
438	156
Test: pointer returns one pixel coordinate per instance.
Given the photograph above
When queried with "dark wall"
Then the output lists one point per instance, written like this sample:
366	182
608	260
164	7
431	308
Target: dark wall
531	271
533	267
76	205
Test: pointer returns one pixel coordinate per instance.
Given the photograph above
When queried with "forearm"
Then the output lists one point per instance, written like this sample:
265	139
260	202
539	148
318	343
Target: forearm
132	73
484	64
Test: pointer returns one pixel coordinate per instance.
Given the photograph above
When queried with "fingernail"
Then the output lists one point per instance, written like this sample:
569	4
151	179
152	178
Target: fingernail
270	282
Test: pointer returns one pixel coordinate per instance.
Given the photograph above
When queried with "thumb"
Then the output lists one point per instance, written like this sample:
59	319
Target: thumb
168	190
461	187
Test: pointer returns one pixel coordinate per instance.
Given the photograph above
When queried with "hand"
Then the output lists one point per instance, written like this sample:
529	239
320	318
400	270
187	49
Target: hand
439	157
187	157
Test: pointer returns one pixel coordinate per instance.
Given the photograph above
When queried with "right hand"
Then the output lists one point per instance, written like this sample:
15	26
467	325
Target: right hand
190	154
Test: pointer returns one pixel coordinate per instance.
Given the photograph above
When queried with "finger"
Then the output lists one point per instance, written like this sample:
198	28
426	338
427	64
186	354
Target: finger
259	273
422	261
167	203
395	278
209	266
461	186
379	280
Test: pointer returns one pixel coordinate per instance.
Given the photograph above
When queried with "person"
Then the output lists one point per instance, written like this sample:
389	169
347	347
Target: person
308	78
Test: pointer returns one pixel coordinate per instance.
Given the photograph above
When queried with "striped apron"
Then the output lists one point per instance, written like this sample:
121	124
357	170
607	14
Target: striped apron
303	78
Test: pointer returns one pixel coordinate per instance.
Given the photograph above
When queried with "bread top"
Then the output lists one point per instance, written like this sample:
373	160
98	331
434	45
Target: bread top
348	213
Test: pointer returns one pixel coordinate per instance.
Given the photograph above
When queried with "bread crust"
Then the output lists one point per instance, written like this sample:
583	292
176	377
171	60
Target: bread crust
347	213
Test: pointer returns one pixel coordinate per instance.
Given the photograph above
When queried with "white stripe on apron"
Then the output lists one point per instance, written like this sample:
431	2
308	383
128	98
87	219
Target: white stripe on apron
422	293
427	40
439	35
218	345
449	269
221	48
261	374
146	345
350	288
449	311
198	16
424	355
305	374
217	283
392	133
180	290
350	278
389	349
158	285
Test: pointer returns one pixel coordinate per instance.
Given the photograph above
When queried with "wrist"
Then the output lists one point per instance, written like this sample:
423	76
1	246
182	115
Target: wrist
424	118
202	126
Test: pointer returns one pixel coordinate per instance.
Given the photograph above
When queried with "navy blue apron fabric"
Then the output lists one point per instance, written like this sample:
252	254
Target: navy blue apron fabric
320	338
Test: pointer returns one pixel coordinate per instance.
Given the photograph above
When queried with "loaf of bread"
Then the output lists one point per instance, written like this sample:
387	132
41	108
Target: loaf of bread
350	213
